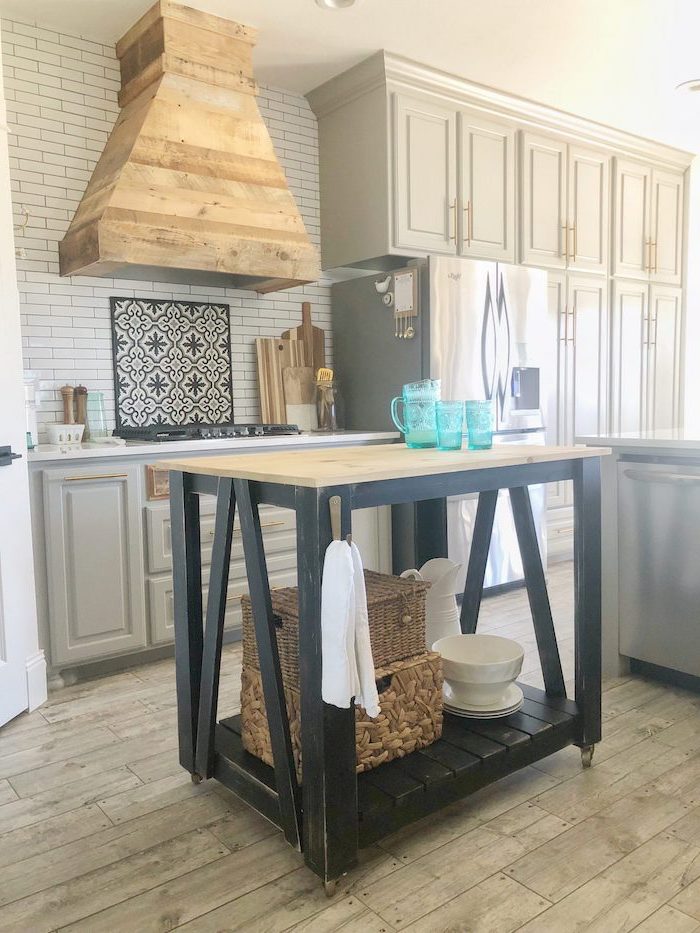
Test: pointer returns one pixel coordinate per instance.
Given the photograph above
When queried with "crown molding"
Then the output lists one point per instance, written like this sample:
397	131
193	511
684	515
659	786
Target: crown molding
395	73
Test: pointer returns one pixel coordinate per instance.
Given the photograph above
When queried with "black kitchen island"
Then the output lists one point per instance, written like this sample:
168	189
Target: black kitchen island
335	811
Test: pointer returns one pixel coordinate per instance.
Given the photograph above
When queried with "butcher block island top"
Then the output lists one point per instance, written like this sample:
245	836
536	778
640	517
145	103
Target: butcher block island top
347	465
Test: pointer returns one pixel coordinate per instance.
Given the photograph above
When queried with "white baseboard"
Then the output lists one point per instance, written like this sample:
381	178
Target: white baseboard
36	680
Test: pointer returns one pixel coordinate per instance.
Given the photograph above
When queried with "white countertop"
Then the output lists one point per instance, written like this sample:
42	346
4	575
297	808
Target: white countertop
51	452
672	439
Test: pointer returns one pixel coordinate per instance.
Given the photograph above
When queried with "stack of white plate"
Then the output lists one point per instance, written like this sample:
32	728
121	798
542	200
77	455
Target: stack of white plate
480	673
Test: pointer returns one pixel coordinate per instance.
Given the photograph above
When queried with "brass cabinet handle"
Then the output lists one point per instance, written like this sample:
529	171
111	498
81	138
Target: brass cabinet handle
468	221
647	255
453	210
237	531
471	222
563	324
655	322
572	338
656	267
573	228
83	479
566	242
645	329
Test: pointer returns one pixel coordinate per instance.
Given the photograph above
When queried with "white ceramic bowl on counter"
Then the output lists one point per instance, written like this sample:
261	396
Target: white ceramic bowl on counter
65	434
479	669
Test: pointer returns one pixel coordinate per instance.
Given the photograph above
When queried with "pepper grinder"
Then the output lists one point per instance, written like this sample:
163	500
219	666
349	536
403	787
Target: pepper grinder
67	392
81	409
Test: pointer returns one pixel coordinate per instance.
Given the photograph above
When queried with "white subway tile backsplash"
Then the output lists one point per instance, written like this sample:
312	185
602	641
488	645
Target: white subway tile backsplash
61	95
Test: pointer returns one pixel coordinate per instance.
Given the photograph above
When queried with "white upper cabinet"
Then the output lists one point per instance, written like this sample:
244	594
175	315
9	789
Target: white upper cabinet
544	231
588	210
425	201
664	358
565	205
648	229
413	161
487	188
666	227
631	244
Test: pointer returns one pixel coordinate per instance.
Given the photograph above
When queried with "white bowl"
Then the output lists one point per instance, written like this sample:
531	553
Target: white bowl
65	434
479	669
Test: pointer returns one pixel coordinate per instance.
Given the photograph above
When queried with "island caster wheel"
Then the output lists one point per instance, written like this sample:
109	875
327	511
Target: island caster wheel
196	778
330	887
587	755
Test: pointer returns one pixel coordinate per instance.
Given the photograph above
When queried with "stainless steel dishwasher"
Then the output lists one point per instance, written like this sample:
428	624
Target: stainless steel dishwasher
659	566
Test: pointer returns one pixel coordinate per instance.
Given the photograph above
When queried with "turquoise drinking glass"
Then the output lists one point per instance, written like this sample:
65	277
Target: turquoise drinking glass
449	417
479	424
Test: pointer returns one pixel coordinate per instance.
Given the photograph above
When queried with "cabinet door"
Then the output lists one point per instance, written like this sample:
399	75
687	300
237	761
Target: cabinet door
425	177
587	335
589	209
630	329
543	218
666	227
664	377
632	230
94	560
556	395
487	188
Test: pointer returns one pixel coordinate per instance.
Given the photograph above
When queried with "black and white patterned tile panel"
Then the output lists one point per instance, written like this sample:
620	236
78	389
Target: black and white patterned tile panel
172	362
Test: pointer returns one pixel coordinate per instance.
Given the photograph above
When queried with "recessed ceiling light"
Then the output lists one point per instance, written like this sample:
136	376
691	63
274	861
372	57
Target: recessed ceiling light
335	4
687	86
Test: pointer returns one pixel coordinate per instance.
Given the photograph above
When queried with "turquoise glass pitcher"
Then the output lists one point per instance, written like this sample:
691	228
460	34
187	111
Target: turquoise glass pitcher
418	399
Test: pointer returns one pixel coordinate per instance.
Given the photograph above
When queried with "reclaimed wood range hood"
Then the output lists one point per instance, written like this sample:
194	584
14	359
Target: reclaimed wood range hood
188	188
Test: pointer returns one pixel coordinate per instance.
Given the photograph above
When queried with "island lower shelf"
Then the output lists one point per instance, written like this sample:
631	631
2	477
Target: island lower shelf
471	754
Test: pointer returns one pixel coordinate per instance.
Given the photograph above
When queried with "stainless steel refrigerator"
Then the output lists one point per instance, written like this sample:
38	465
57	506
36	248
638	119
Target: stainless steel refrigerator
480	327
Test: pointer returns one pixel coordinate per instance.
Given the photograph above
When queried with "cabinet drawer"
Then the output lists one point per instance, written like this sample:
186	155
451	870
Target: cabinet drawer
281	570
274	522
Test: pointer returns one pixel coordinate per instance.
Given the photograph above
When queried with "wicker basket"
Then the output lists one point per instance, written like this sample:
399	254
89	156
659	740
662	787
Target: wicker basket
396	623
410	700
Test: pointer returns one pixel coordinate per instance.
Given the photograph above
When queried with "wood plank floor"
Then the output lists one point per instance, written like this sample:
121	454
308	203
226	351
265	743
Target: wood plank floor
100	829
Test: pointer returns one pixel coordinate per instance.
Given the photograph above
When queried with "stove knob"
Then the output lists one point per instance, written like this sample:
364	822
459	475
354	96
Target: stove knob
259	430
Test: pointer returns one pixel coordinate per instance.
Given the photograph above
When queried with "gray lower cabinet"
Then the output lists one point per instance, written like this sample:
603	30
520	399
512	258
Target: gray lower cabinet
279	534
109	560
94	558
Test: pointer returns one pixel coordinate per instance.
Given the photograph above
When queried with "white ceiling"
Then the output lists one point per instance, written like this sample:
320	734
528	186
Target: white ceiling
616	61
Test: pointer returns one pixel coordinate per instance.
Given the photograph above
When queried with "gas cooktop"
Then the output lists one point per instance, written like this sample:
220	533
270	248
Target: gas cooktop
203	432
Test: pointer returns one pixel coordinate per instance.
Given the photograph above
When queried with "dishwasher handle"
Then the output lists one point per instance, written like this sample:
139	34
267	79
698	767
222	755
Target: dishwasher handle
668	479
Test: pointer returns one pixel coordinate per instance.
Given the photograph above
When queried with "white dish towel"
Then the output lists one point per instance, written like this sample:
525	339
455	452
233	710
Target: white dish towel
346	653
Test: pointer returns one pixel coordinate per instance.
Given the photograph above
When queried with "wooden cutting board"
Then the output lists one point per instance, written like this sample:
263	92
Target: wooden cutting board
299	385
274	355
313	338
300	396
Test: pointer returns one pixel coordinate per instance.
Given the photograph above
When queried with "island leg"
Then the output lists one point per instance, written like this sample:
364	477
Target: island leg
478	558
187	600
214	627
270	671
538	597
329	781
587	612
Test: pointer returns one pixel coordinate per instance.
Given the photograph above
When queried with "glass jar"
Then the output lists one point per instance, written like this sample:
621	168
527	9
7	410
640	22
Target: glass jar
327	405
96	420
